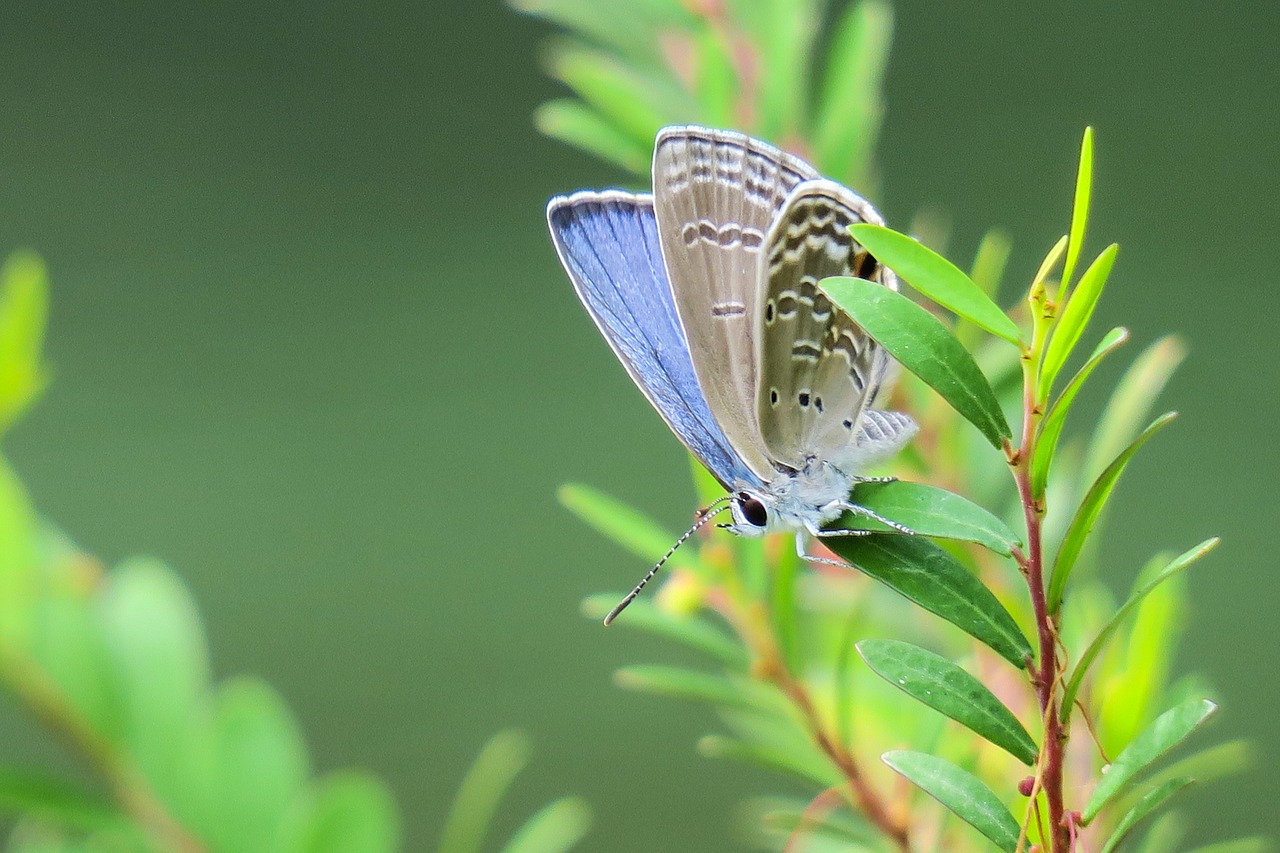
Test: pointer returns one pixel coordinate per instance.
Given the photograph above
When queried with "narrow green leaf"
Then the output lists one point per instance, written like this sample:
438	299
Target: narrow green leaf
24	314
1131	403
782	33
1089	510
628	527
783	609
809	768
491	774
1166	832
55	800
570	121
926	574
930	511
557	827
780	818
1075	318
1151	801
924	346
1080	209
635	104
680	683
850	107
156	648
634	35
990	260
1168	730
1050	261
961	792
69	643
348	811
1135	598
1051	426
1211	763
715	81
948	689
260	767
689	631
935	277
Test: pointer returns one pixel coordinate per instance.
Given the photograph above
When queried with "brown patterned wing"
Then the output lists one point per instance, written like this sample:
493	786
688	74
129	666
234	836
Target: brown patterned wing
716	196
819	371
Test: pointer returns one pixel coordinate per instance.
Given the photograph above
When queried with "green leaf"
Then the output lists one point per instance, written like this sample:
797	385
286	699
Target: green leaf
1169	729
631	102
929	511
850	107
990	260
807	767
935	277
69	643
557	827
492	773
348	811
156	646
580	126
680	683
1166	832
1075	317
948	689
920	342
21	583
1089	510
1210	764
782	33
715	81
961	792
1099	642
54	800
1150	801
1051	426
1050	261
629	527
24	314
1131	403
1080	209
926	574
689	631
780	818
260	768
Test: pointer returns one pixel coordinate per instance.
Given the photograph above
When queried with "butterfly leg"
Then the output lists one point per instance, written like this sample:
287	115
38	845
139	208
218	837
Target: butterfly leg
814	558
858	509
858	479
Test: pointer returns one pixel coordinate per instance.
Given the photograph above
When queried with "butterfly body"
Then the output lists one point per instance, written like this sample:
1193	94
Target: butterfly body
708	292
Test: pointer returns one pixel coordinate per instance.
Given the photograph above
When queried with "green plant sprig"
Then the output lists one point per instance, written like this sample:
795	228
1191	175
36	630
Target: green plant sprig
968	592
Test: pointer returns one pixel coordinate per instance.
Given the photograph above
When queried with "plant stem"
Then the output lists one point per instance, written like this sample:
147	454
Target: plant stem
45	700
865	797
1047	673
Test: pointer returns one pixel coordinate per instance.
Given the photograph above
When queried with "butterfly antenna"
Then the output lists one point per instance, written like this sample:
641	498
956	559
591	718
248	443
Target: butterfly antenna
704	516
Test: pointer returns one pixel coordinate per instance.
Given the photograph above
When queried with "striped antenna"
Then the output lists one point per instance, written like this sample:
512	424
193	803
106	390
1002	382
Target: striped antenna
704	515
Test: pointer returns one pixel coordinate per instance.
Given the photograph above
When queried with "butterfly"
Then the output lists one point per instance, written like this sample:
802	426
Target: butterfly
707	290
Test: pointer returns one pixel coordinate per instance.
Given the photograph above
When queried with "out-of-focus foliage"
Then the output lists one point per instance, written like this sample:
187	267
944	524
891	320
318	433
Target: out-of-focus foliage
113	663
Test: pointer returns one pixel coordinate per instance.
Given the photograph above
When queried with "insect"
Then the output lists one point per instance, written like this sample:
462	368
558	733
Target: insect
707	291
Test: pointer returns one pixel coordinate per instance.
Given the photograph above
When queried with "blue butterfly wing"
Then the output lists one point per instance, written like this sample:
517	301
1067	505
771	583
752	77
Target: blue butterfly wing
608	243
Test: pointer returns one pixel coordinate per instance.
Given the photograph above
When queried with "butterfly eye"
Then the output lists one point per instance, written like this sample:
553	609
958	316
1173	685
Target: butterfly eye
753	510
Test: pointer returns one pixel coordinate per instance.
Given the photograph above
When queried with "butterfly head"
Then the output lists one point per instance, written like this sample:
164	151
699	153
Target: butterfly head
754	513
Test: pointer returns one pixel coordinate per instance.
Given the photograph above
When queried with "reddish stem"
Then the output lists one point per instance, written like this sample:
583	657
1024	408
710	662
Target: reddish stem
1045	677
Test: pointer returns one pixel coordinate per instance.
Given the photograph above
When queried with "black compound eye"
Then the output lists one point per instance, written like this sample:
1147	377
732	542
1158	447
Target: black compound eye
752	510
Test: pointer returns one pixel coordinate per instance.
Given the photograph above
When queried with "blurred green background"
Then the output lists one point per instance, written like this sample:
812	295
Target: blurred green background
313	348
